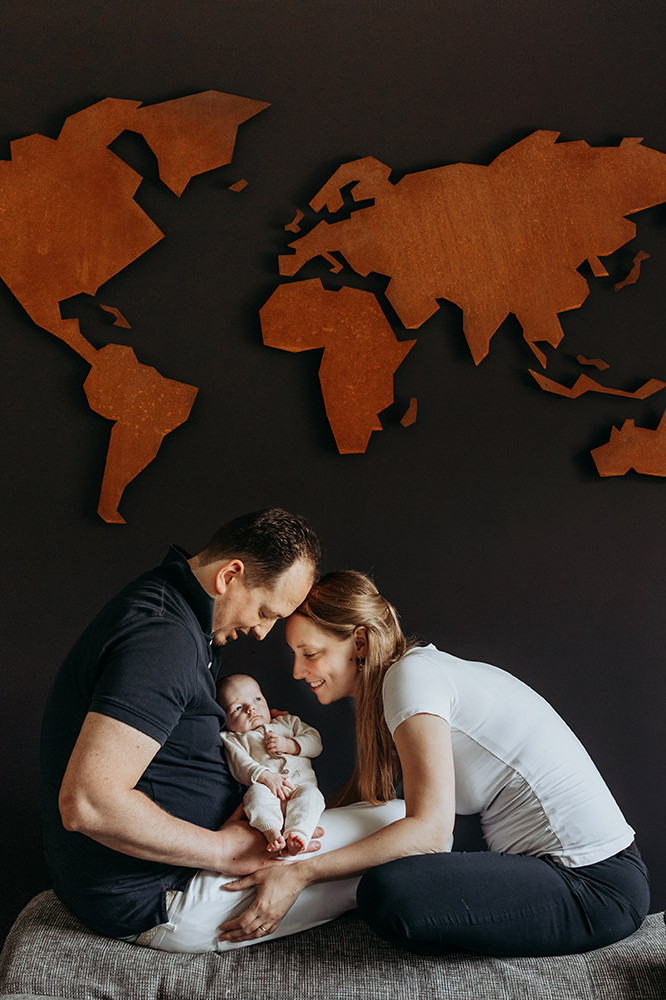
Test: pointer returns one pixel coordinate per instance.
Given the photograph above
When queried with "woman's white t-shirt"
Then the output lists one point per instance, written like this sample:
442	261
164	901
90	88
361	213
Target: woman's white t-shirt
516	761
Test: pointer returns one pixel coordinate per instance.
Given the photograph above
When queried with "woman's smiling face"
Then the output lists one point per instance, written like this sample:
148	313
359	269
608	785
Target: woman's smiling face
326	662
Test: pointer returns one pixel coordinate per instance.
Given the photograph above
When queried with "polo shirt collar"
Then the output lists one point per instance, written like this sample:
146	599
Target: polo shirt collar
184	580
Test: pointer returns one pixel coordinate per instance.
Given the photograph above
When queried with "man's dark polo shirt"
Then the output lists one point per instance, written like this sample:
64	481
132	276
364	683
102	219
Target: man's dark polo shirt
146	660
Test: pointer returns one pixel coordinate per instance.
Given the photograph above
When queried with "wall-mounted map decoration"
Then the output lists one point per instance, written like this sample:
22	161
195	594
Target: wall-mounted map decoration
361	352
69	223
635	272
507	238
585	384
632	447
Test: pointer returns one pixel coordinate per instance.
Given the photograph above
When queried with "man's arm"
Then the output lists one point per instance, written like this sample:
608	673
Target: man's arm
99	798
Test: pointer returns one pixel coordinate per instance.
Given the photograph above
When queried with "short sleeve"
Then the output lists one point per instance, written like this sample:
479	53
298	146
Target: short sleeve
417	684
148	678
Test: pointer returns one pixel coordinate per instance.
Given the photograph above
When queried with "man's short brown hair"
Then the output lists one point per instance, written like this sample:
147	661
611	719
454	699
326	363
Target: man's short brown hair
268	541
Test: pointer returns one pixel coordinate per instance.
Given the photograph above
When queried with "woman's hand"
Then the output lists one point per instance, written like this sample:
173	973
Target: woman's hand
277	887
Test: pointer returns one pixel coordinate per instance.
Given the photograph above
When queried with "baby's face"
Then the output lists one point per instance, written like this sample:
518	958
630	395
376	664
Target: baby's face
245	705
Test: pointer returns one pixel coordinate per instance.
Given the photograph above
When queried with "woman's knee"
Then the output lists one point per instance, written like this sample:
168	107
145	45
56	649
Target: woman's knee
382	901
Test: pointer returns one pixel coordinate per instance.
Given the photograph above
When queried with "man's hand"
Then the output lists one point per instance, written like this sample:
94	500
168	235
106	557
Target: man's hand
279	784
245	847
277	744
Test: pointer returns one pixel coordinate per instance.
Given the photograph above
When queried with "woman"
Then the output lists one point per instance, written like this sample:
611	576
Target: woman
562	875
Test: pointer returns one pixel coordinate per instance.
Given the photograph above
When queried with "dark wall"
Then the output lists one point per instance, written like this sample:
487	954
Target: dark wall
485	522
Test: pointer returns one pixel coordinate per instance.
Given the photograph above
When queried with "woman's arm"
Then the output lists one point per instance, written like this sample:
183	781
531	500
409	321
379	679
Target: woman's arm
423	743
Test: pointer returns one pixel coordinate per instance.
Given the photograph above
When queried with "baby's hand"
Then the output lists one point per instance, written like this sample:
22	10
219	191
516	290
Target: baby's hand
279	784
281	744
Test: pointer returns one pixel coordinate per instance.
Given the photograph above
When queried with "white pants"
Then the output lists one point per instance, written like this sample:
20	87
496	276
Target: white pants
196	913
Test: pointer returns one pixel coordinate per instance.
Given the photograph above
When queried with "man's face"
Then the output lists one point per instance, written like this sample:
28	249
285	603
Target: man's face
256	609
245	705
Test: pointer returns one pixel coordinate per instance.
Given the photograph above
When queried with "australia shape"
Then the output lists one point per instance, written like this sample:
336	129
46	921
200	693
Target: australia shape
632	447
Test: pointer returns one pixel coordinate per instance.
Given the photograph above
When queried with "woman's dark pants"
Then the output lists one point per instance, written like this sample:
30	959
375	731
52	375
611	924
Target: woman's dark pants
504	904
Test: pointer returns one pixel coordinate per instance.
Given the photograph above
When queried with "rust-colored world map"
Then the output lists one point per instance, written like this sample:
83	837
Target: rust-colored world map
507	238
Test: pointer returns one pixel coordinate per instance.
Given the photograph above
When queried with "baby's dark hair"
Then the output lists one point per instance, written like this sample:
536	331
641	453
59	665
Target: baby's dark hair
223	683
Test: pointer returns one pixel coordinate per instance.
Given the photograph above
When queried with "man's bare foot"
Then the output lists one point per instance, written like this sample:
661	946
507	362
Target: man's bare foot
274	840
296	842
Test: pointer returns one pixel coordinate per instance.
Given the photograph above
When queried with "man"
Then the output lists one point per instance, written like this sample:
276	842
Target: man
137	794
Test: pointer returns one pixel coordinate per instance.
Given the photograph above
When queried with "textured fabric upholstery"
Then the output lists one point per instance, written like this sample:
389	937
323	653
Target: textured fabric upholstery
50	954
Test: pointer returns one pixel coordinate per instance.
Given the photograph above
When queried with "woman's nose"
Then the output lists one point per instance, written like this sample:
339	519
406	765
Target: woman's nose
298	671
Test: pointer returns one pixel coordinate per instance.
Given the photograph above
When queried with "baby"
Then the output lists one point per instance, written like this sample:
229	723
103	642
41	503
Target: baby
271	757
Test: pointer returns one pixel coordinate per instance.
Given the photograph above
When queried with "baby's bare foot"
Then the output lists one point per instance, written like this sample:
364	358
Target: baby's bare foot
296	842
274	840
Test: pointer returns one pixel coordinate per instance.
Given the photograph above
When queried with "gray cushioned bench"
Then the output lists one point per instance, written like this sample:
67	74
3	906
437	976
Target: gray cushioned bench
48	953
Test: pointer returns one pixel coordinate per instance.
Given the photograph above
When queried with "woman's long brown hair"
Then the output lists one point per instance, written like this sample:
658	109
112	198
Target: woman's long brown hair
340	603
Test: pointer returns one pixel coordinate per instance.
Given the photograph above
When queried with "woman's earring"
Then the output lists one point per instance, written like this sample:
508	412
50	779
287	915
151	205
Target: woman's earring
360	662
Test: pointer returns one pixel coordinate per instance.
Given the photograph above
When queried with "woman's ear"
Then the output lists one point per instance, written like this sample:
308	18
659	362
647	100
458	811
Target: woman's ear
360	641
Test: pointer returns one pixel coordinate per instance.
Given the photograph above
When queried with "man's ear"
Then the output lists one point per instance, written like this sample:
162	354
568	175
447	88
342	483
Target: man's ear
360	640
227	573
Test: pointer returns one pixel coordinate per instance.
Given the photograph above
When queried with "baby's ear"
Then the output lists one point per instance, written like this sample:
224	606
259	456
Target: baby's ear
275	712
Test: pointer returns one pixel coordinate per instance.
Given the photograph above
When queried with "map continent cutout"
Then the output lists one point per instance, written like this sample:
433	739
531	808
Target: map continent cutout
360	352
632	447
498	240
408	419
69	223
144	406
598	363
585	384
635	272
